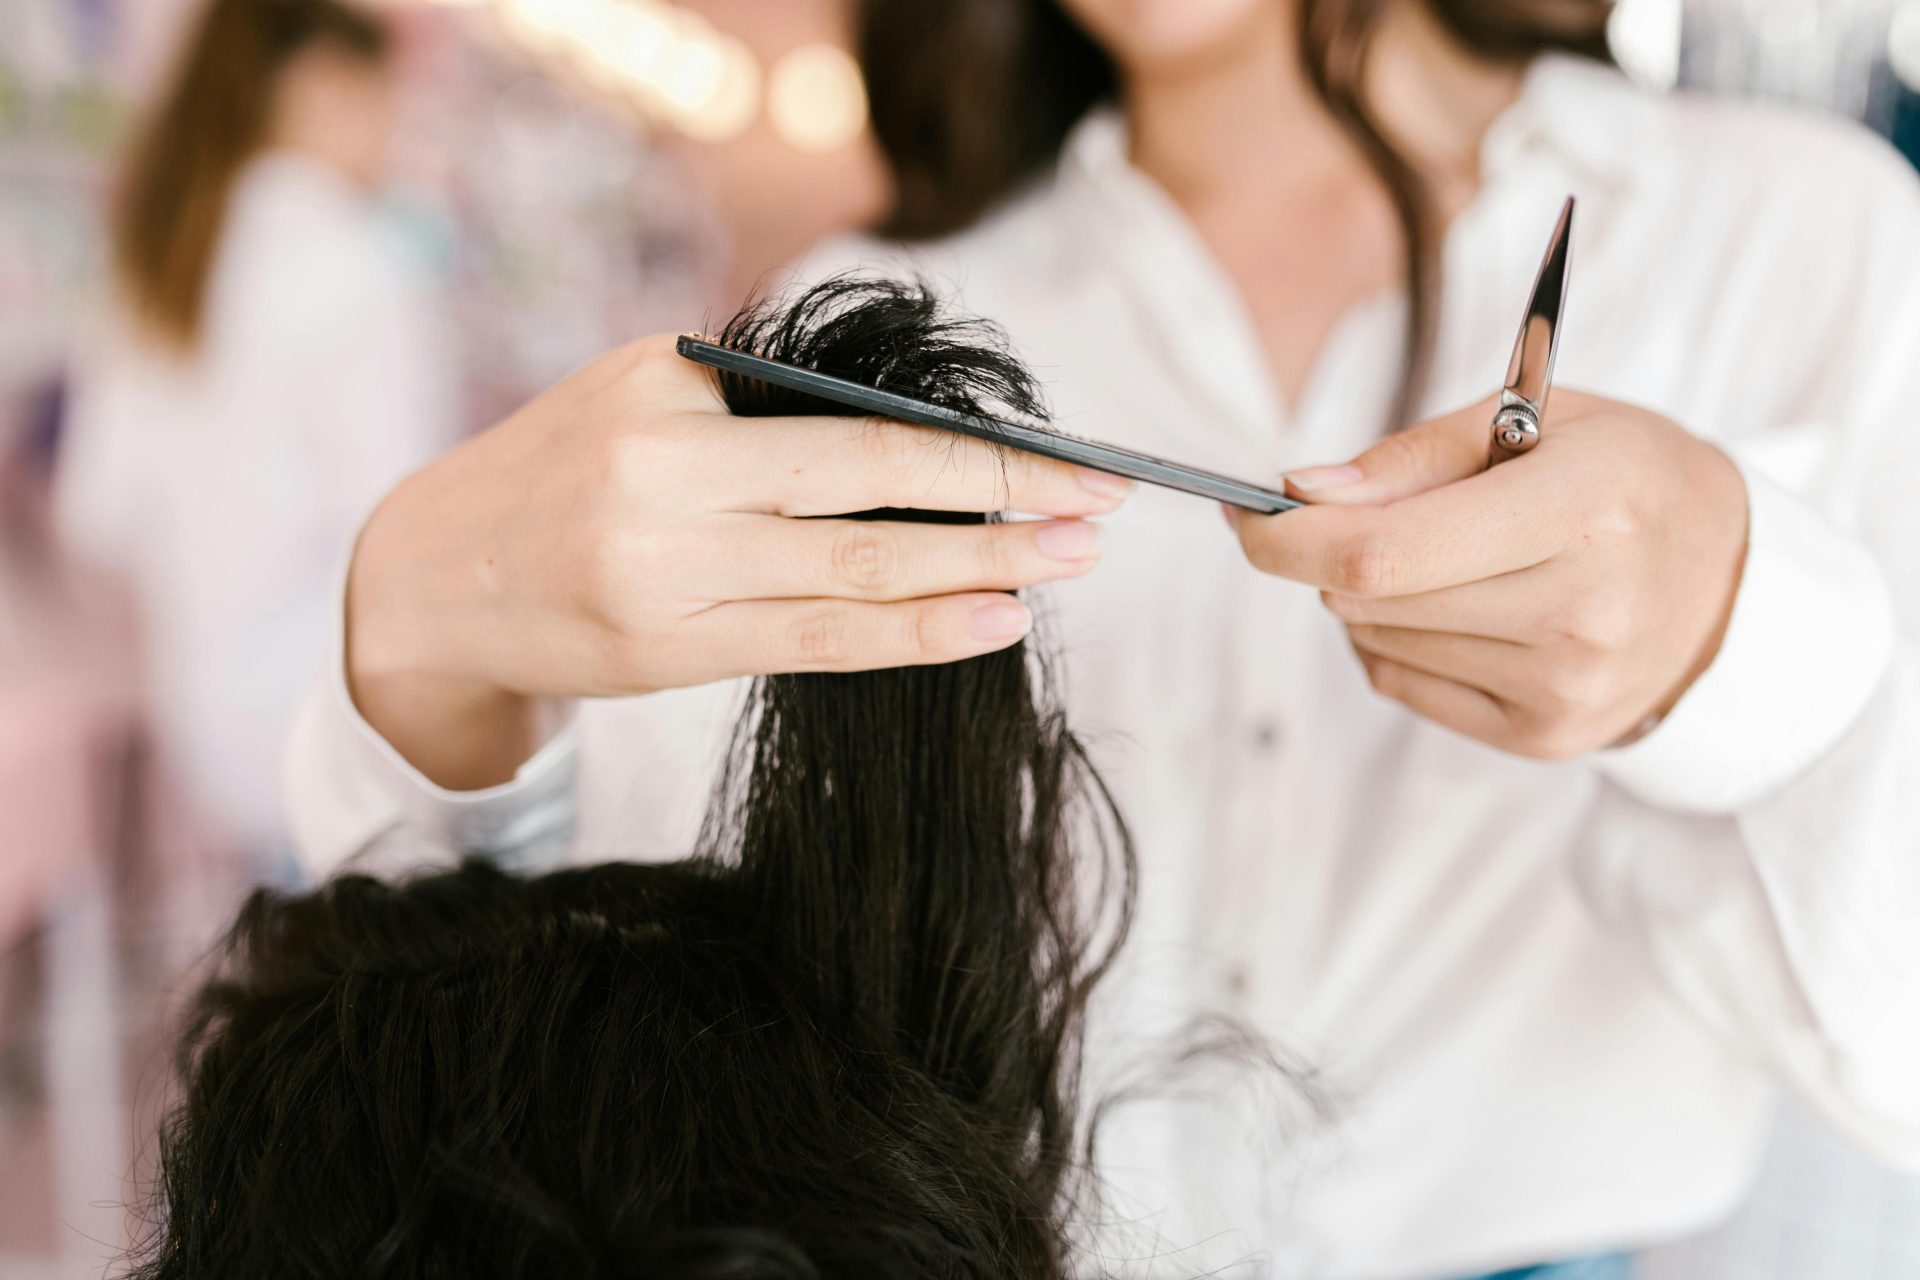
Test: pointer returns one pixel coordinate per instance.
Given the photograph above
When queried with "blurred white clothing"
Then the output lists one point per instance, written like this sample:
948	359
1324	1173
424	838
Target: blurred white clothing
225	485
1553	1003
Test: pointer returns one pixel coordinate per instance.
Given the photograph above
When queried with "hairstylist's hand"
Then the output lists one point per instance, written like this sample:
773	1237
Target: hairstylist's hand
623	534
1549	606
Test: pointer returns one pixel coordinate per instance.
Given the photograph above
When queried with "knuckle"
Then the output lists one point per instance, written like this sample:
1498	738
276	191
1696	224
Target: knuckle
1555	739
1368	566
1409	451
1614	519
1018	472
819	637
1259	551
598	561
621	653
883	445
926	638
630	461
609	563
1008	478
996	552
1581	688
1597	623
1381	675
650	351
1345	608
865	557
644	362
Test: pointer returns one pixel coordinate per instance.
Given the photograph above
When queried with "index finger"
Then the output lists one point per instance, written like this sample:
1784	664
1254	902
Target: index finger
1508	518
812	466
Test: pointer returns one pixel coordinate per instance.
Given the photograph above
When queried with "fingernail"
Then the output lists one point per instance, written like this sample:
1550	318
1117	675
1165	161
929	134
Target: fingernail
1067	539
1105	485
1312	479
1002	620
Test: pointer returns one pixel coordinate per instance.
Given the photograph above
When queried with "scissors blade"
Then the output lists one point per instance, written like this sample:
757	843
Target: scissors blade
1530	374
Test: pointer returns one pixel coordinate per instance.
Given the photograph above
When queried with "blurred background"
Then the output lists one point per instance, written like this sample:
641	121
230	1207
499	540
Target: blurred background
500	190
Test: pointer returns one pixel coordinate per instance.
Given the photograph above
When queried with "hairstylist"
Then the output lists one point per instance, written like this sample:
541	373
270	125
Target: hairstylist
1631	844
269	368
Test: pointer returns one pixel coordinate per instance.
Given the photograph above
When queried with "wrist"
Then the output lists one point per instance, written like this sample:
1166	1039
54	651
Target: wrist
411	669
1725	557
1812	632
397	598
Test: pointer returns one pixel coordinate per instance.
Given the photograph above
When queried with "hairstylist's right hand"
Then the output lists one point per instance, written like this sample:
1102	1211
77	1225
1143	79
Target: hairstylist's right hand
624	533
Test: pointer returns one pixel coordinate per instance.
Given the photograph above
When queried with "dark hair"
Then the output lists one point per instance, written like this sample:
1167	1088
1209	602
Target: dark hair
970	98
213	118
842	1040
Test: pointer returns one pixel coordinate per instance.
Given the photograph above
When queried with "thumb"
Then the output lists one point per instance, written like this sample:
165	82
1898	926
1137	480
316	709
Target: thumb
1424	456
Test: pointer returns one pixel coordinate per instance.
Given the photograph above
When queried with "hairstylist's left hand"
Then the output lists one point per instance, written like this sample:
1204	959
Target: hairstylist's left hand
1549	606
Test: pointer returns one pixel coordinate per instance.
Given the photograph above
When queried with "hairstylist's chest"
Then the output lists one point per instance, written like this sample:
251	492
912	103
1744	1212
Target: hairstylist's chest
1226	706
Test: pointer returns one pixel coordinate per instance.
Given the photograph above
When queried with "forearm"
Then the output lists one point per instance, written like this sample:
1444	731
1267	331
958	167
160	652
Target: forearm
458	736
399	753
409	606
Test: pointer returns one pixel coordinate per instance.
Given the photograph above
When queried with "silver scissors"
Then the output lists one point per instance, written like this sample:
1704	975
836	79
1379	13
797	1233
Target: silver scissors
1516	426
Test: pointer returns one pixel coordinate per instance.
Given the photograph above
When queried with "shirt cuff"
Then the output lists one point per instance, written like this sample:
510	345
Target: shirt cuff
1811	635
356	800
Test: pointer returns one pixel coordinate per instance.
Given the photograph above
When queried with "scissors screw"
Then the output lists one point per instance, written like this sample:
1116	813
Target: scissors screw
1515	429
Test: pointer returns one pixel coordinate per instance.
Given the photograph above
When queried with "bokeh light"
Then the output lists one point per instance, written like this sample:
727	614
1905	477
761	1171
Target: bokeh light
666	60
817	98
712	91
546	25
626	47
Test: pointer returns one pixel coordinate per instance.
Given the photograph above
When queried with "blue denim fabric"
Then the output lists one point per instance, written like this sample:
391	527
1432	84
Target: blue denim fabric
1615	1266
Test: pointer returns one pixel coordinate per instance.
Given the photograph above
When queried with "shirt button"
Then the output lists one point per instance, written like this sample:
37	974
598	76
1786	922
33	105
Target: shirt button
1237	980
1265	735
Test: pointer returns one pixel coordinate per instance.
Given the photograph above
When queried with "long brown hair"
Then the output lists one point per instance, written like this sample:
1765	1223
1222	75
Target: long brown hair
213	118
971	97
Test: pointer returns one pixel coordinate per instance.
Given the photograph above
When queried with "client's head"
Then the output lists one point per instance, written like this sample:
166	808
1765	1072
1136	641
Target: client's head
840	1040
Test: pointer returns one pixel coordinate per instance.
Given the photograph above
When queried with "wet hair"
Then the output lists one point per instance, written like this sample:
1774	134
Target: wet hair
841	1039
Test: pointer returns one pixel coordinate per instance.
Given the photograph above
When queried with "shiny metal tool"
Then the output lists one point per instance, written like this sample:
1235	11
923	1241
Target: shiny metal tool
1516	426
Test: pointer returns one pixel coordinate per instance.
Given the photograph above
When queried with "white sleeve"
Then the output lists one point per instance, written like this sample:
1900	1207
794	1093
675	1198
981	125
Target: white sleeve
355	800
1764	842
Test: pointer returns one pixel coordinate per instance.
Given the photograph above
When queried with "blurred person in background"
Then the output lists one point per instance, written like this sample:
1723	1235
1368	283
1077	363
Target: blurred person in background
1566	825
269	365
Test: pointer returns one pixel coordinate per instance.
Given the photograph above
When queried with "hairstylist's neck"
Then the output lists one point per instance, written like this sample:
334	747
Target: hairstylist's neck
1243	115
1237	114
1434	98
332	108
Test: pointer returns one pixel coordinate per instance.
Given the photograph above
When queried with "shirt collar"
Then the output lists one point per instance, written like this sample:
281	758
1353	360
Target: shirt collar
1587	113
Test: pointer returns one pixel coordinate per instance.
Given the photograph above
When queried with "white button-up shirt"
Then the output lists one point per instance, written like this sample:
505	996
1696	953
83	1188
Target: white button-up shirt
1546	1007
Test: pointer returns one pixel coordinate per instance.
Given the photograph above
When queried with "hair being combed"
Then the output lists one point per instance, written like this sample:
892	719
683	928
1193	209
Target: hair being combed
841	1040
